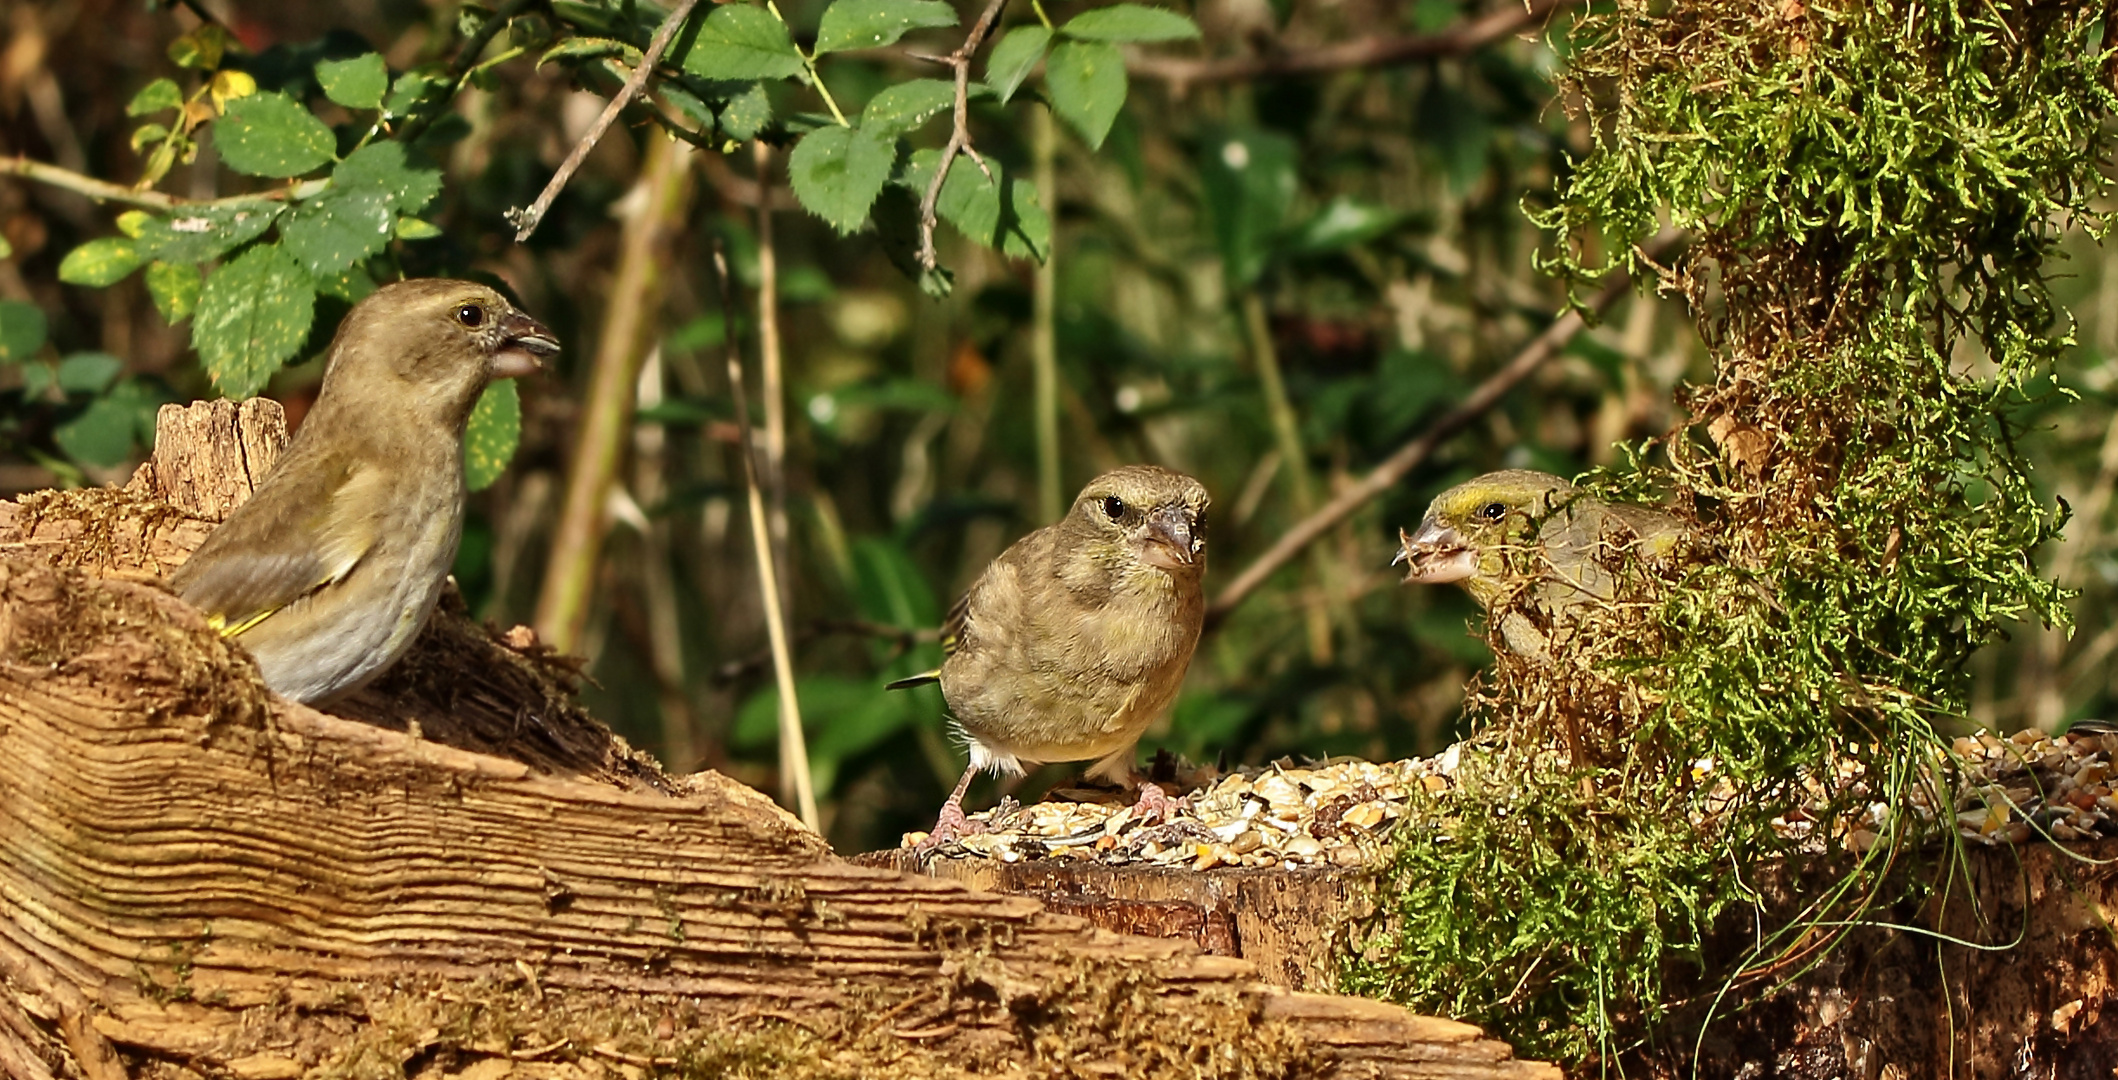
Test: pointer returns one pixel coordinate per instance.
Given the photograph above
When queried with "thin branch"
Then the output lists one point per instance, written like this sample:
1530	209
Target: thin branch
771	369
460	68
960	135
526	221
794	747
1409	456
1469	37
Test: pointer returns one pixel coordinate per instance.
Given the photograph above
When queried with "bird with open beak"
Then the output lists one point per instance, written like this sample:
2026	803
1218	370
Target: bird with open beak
1079	635
1518	530
327	573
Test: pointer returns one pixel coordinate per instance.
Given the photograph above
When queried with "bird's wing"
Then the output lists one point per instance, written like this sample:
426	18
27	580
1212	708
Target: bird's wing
289	541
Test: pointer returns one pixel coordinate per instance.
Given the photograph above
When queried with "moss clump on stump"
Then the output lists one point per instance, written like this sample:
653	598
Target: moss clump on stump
1873	192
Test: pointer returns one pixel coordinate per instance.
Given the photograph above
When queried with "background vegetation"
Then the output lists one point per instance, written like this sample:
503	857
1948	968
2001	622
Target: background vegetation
1301	238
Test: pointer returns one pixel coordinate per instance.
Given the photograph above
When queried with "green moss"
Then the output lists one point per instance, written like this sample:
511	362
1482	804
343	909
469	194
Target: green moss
1874	193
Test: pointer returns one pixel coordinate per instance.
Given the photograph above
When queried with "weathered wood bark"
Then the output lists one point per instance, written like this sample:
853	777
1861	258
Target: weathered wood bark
197	878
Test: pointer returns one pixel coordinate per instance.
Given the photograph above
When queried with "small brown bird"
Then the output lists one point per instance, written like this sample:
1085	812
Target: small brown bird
1515	530
1078	635
331	568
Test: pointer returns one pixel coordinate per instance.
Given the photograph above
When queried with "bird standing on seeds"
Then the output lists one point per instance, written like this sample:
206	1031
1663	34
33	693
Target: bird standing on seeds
1515	530
1078	635
327	573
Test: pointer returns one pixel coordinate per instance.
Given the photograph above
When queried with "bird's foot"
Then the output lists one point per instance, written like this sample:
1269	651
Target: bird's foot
1154	806
950	826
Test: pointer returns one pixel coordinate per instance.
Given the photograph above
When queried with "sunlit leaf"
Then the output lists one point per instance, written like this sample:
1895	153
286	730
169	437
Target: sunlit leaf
199	233
1086	80
155	97
902	108
490	439
273	135
358	83
253	313
837	172
1001	213
738	41
1130	23
1013	58
175	289
101	262
870	24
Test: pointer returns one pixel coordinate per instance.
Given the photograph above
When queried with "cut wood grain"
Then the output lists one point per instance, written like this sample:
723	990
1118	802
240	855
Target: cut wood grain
198	876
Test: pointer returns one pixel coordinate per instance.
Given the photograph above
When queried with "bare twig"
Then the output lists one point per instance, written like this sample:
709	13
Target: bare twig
526	221
960	136
774	388
460	68
103	190
794	747
1044	338
1408	457
1183	72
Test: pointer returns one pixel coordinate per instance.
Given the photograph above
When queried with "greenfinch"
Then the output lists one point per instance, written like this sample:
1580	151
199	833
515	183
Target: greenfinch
1078	635
1534	549
327	573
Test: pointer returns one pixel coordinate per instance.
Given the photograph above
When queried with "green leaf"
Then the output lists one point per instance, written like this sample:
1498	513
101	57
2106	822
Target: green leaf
1014	57
896	216
272	135
1000	213
253	313
203	47
101	435
199	233
1344	223
1086	81
358	83
175	289
589	48
155	97
353	284
99	263
1248	179
409	91
904	107
837	172
88	372
747	113
1130	23
740	42
147	133
490	439
358	214
22	331
412	228
871	24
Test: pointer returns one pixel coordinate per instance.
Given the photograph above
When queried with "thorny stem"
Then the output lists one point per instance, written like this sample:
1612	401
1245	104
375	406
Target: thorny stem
526	221
960	136
794	747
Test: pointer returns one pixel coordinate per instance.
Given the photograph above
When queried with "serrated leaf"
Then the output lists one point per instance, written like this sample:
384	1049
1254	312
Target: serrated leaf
1086	84
383	166
1130	23
408	92
1002	213
272	135
99	263
904	107
1014	57
358	83
253	313
741	42
747	113
352	284
871	24
193	234
489	440
22	331
837	172
338	228
88	372
154	97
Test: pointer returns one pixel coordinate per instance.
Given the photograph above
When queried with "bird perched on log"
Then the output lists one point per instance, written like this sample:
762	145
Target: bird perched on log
1515	531
1078	635
327	573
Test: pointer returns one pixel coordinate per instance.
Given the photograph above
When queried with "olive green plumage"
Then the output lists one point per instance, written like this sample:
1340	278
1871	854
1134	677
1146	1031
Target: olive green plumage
327	573
1080	633
1516	531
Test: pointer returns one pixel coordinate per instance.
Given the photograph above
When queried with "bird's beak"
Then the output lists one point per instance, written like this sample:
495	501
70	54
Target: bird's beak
1172	541
523	347
1435	555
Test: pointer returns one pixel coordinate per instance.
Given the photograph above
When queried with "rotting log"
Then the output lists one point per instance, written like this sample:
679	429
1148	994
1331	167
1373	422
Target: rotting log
464	874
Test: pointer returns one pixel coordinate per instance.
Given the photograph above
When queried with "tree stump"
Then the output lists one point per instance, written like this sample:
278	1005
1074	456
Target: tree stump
466	875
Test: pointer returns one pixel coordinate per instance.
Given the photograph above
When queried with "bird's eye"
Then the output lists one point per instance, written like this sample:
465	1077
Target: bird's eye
1113	507
471	315
1492	511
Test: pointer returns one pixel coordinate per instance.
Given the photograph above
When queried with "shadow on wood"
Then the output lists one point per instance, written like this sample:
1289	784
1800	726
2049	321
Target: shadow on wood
473	877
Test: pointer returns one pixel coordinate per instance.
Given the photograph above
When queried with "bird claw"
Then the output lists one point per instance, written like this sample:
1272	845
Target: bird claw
1154	806
950	826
